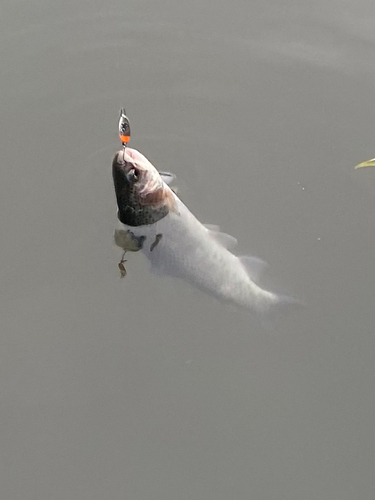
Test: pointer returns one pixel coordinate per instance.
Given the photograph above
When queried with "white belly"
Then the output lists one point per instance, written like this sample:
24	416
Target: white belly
187	249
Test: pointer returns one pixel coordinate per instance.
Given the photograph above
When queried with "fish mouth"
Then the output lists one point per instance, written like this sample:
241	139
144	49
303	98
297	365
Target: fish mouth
119	157
142	196
120	164
125	174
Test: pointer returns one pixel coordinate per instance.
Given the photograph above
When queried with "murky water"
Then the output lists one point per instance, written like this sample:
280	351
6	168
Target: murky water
144	388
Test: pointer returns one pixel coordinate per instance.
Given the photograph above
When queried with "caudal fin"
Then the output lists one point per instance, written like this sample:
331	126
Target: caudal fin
281	308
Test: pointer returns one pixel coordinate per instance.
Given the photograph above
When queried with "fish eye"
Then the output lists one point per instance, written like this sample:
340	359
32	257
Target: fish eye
133	175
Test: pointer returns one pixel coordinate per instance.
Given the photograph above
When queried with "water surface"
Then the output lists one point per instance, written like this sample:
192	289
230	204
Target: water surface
144	388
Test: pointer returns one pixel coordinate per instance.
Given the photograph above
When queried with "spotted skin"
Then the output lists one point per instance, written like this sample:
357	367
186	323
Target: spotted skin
132	209
158	237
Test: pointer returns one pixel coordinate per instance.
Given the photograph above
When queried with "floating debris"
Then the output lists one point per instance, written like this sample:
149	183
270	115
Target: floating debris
368	163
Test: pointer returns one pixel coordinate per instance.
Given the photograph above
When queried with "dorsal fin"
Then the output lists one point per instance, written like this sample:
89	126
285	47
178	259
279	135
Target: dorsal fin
212	227
253	265
226	240
167	177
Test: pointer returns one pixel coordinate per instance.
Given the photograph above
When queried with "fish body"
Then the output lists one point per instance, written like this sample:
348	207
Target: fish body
177	243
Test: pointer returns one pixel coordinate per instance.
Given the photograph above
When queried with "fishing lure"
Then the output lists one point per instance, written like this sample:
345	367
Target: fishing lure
124	128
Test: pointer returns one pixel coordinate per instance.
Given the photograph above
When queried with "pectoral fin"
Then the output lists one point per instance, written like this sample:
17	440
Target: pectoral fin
226	240
128	241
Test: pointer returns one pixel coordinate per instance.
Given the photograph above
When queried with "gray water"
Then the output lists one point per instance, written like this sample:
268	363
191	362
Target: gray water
144	388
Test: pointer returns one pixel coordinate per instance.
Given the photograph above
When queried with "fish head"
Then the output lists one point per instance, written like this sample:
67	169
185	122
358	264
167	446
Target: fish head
142	195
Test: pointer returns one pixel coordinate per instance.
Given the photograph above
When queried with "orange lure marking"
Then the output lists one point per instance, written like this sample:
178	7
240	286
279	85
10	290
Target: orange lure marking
124	127
124	138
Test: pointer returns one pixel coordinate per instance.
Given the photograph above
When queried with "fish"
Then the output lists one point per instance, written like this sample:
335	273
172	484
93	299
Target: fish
178	244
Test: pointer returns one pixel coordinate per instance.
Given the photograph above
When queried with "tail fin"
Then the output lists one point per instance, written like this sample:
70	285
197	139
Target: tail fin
282	307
